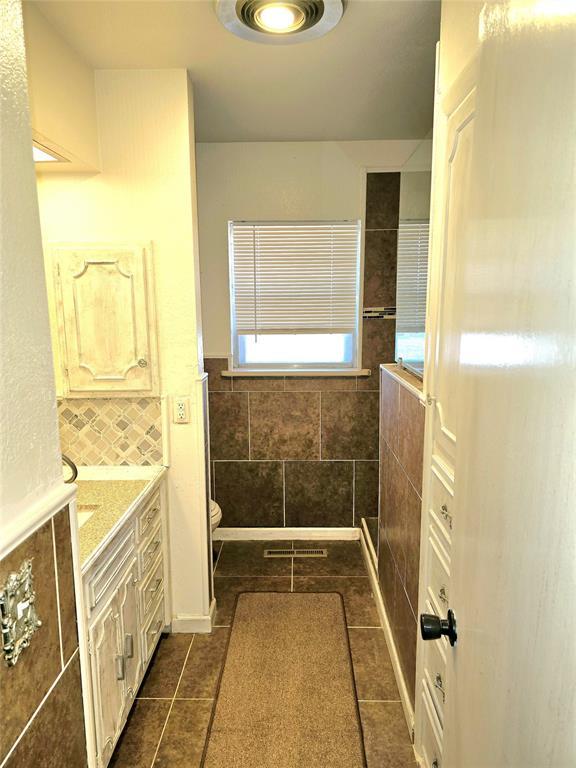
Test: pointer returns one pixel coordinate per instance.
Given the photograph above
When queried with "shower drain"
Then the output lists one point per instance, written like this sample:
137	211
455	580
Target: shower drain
295	553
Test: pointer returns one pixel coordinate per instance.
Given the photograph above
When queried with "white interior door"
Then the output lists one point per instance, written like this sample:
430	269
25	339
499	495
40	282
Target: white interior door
510	694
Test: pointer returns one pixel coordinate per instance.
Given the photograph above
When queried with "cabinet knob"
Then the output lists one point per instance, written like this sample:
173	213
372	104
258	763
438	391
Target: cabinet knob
142	363
432	627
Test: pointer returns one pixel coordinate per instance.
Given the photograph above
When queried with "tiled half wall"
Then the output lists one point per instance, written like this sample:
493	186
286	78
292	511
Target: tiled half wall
111	430
37	729
401	452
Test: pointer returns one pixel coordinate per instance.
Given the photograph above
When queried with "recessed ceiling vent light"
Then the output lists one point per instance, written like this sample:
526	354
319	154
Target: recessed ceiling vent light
278	22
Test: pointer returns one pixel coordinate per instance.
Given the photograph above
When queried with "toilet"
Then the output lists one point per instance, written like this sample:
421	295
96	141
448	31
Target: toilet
215	515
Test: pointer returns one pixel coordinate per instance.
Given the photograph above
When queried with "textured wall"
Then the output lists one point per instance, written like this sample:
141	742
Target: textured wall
401	451
29	459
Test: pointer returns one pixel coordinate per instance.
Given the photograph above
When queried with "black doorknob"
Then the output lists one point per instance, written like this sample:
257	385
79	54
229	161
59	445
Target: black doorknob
432	627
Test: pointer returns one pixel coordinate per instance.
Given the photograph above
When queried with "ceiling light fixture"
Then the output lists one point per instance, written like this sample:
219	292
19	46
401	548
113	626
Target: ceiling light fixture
278	21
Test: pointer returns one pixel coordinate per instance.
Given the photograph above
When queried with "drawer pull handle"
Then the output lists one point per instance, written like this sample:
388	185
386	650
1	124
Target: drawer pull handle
120	668
154	548
439	684
156	586
157	628
442	595
435	764
446	515
129	646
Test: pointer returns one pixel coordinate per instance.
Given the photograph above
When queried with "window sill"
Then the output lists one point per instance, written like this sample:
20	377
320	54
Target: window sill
318	372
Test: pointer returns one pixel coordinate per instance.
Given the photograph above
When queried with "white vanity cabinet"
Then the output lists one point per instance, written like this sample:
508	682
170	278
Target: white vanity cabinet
125	603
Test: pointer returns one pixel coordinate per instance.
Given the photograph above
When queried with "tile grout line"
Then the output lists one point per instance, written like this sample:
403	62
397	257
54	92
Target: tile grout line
249	435
57	593
172	702
353	493
320	425
284	492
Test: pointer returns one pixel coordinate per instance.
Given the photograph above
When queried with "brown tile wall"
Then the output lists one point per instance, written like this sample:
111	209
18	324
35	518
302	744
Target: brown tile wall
303	451
50	663
401	449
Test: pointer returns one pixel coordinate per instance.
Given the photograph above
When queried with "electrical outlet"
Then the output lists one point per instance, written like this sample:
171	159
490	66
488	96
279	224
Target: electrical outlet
181	408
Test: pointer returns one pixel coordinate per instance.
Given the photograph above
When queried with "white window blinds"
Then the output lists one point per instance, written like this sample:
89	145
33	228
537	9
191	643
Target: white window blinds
412	274
294	277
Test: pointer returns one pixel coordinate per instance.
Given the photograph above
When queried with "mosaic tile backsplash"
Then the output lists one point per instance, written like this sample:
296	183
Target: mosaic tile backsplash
111	431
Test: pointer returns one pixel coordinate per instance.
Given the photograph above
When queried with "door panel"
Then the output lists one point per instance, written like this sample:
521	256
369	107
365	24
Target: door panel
105	319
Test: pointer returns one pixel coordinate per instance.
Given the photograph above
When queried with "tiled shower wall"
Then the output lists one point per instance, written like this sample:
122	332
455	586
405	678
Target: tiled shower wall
48	731
303	451
401	452
111	430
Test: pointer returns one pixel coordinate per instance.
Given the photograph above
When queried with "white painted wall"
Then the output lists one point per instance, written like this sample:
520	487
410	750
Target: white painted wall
29	446
146	192
276	180
415	195
62	94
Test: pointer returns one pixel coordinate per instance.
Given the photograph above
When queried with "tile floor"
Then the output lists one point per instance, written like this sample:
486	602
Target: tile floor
169	720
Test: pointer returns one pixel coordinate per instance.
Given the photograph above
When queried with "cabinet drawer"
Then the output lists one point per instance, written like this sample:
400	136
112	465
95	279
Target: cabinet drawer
116	558
152	588
435	672
148	517
149	552
152	631
438	577
431	733
442	503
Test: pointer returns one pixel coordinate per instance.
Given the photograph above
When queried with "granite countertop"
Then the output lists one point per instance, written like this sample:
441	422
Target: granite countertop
106	497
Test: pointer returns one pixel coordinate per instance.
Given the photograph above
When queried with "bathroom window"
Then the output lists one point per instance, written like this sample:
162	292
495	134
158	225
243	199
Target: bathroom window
294	289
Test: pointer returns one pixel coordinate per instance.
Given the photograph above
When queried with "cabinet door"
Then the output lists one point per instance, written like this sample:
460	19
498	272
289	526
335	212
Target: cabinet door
107	685
106	318
130	635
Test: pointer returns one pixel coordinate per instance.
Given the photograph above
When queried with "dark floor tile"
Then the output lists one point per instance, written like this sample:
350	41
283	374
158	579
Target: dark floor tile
378	346
319	493
162	677
350	425
358	600
258	384
42	745
372	665
202	670
246	558
365	490
66	594
319	383
382	200
386	737
227	588
183	740
250	493
214	366
229	425
285	425
380	256
411	436
141	734
344	559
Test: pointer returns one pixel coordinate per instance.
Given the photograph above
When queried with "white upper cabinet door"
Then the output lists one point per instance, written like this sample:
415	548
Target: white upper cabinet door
106	319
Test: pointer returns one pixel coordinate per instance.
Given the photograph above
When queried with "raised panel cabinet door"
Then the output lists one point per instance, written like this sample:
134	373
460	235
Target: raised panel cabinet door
130	632
107	683
106	318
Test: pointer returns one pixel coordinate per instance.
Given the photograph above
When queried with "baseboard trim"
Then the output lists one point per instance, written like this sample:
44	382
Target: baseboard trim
369	543
285	534
392	650
201	625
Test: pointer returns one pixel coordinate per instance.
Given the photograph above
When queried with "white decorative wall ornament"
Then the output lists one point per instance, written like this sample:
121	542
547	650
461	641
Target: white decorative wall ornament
18	617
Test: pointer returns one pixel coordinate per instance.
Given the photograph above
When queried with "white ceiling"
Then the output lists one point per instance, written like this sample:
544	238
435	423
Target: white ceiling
370	78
